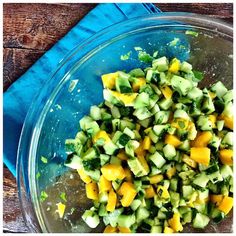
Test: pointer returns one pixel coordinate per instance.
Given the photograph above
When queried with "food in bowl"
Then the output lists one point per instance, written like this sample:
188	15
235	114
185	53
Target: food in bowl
158	152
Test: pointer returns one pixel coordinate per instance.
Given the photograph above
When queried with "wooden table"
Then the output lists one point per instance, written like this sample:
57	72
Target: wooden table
29	30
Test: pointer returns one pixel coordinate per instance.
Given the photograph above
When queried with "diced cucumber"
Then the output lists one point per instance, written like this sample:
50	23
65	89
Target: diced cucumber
156	229
142	100
165	104
104	159
220	124
73	161
204	123
141	214
136	167
135	204
174	199
110	148
160	129
200	221
122	84
95	112
201	180
142	113
228	96
169	151
226	171
187	191
186	67
102	210
112	217
195	94
161	64
228	139
91	218
126	220
219	89
181	85
181	114
129	132
162	117
157	159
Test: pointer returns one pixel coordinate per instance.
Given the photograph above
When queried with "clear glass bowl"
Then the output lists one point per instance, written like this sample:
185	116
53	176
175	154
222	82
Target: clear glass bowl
76	85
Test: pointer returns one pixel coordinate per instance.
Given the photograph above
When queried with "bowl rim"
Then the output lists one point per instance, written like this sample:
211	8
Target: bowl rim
196	18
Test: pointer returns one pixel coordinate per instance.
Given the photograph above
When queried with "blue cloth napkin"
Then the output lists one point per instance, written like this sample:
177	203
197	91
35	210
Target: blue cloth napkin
17	99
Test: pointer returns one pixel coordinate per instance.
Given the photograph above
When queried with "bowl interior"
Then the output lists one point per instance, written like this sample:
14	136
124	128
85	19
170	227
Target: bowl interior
81	87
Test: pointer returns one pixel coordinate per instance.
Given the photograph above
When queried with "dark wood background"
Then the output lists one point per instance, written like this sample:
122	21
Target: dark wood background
29	30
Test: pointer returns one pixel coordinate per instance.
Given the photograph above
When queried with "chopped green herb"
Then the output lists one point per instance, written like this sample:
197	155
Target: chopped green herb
190	32
144	57
38	175
43	196
44	159
125	56
198	75
63	196
174	42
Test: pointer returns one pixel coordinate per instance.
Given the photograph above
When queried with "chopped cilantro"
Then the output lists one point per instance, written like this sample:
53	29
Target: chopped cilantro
192	33
198	75
144	57
38	175
43	196
63	196
125	56
44	159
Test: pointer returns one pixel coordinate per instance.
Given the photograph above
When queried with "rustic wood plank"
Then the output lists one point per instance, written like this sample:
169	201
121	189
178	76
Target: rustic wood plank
12	217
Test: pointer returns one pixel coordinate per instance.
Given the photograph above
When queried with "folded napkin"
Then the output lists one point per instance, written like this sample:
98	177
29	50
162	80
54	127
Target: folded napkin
18	97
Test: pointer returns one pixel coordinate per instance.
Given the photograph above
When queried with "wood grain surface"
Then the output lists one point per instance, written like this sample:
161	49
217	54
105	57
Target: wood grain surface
31	29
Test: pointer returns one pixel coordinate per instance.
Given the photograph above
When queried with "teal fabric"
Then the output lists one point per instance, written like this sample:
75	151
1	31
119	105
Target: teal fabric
18	97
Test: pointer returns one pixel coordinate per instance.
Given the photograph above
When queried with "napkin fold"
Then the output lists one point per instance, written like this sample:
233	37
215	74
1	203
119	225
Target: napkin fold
17	99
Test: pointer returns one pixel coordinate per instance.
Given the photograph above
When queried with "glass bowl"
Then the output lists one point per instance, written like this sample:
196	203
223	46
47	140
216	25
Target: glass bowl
76	85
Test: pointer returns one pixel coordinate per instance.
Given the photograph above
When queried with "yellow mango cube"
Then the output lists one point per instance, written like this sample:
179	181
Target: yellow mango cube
84	177
229	121
144	163
167	92
138	83
110	229
112	199
150	192
101	135
124	230
202	139
128	174
226	204
128	193
122	155
175	223
226	156
174	66
104	184
92	191
61	209
200	155
171	172
168	230
113	172
155	179
172	140
127	99
216	198
146	143
109	80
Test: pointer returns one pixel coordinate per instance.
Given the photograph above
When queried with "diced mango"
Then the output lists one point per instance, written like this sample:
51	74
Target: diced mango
171	172
113	172
200	155
128	174
175	223
124	230
101	135
147	143
60	209
213	118
92	191
212	94
229	121
167	92
226	204
127	99
140	151
162	192
110	229
226	156
138	83
144	163
189	161
174	66
155	179
150	192
122	155
109	80
216	198
202	139
172	140
111	202
128	192
168	230
84	177
104	184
